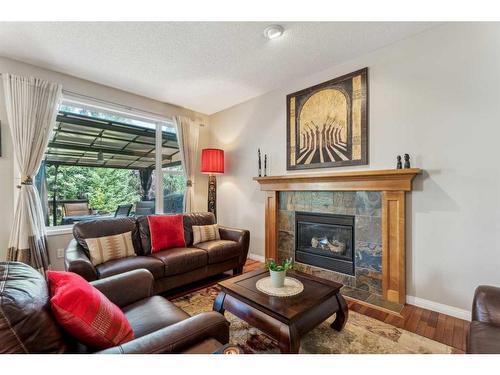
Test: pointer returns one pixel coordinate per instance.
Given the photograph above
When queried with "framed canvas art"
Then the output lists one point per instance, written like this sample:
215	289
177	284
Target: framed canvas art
327	124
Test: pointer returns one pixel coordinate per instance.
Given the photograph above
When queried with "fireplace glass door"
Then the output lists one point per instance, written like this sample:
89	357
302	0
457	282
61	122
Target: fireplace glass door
325	240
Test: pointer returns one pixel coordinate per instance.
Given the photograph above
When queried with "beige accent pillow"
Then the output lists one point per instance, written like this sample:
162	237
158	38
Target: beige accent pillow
203	233
107	248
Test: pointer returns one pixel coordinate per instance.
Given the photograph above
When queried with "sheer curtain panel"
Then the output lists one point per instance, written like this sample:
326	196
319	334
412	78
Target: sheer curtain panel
188	133
31	106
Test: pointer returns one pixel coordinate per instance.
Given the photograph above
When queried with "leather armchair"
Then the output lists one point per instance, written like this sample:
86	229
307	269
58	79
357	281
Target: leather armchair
136	287
28	326
484	331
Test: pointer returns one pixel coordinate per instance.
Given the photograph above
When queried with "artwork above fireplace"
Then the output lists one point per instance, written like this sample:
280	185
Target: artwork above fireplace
325	240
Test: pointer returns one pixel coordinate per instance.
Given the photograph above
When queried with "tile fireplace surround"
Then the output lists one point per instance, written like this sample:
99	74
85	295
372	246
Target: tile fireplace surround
376	199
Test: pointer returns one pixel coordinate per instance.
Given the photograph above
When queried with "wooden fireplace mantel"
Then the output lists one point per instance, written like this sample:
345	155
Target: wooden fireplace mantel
371	180
393	183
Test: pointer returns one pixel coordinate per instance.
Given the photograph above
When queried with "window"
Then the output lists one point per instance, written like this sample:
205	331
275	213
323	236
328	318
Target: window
101	163
174	184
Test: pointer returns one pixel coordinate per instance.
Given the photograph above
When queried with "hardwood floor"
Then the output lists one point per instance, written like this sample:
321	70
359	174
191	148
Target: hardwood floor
433	325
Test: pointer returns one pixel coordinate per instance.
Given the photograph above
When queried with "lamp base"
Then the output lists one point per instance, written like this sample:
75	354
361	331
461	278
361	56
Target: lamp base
212	195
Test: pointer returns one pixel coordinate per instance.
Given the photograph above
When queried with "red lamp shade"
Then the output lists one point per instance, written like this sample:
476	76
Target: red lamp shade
212	160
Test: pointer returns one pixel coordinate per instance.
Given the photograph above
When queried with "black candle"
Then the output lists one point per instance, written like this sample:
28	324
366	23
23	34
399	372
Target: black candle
265	165
260	165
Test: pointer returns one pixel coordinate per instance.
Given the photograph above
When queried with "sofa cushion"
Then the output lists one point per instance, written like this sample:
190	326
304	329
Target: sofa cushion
204	233
196	218
167	231
104	249
151	314
107	227
181	259
220	250
85	313
114	267
484	338
26	321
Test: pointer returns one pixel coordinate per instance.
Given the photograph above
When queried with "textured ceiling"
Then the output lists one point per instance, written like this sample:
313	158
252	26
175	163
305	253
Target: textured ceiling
202	66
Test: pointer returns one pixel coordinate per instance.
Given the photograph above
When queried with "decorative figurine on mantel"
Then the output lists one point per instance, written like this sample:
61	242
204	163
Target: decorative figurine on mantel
260	164
265	165
407	161
399	165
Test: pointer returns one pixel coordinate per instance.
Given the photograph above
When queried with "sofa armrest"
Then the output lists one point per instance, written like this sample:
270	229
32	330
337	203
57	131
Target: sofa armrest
241	236
486	305
126	288
178	337
77	261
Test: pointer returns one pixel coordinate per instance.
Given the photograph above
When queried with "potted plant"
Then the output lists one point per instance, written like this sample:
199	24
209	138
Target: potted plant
278	271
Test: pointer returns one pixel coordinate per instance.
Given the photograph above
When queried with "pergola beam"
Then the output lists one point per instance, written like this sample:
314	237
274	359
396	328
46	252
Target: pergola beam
114	138
97	165
106	129
70	118
96	149
90	165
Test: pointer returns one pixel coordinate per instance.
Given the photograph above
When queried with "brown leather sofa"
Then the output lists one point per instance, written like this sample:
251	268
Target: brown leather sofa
28	326
170	268
484	331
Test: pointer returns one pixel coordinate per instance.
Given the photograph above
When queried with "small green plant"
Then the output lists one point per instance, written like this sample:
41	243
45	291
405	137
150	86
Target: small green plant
286	265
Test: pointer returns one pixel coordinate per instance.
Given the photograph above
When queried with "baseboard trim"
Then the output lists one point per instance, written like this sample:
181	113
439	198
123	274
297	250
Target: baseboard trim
439	307
259	258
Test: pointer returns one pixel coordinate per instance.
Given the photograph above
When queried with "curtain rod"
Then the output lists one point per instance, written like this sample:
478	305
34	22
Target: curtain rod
126	107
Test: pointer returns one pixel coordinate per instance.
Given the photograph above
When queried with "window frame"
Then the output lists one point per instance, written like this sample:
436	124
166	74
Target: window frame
158	121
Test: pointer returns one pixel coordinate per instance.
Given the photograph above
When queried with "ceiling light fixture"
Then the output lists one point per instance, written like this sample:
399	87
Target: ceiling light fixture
273	31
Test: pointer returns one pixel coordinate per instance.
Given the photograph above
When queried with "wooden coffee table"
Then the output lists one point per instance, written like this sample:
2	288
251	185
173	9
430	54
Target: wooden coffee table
284	319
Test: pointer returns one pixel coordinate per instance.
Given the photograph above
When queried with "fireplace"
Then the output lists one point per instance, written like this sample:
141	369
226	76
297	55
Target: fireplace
325	240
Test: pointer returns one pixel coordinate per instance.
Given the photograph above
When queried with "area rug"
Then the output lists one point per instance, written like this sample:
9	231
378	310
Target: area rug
361	335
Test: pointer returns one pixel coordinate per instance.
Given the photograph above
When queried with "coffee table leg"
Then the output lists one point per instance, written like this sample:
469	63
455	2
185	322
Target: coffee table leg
342	315
219	303
289	341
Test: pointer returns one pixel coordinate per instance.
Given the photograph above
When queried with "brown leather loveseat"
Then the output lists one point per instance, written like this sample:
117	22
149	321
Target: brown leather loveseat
484	331
28	326
170	268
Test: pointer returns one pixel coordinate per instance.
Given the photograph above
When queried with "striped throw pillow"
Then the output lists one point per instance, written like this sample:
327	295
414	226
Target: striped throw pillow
107	248
86	313
203	233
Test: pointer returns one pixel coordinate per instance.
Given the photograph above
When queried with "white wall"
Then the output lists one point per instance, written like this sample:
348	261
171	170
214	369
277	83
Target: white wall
435	96
8	179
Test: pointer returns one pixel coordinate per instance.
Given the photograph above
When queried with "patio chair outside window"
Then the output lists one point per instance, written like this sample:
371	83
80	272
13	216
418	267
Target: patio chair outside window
123	210
76	209
144	208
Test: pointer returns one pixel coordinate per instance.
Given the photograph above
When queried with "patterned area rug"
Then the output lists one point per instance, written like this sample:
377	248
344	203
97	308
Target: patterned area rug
361	335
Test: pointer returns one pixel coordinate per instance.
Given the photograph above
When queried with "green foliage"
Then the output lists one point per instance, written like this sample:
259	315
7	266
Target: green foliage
173	183
105	188
286	265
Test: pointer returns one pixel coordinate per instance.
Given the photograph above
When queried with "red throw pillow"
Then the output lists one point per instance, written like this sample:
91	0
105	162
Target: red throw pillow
167	231
86	313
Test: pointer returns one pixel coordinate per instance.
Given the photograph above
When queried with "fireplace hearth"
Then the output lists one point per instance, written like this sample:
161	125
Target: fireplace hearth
325	240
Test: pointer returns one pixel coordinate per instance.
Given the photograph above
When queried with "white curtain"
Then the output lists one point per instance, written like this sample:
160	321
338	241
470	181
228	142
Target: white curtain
32	106
188	134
